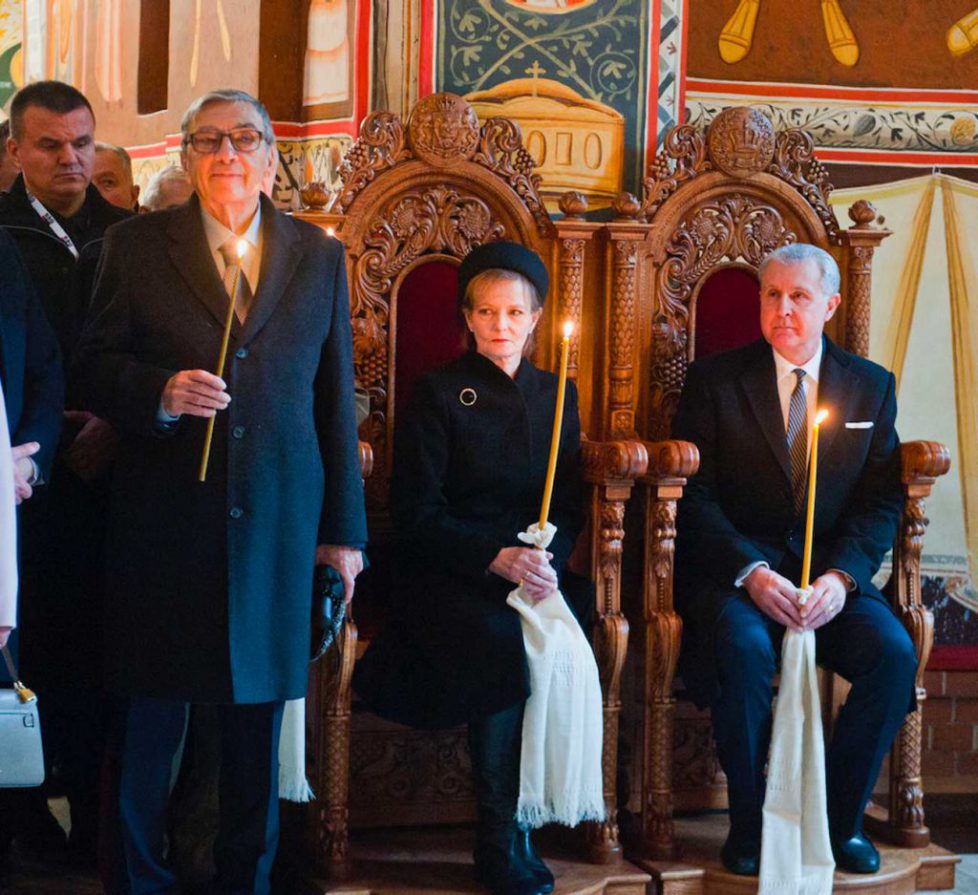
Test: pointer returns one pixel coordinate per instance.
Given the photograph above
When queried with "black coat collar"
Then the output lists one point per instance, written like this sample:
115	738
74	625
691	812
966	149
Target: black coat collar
85	227
190	253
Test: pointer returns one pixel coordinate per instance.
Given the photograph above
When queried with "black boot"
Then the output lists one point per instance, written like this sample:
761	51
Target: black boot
528	855
494	744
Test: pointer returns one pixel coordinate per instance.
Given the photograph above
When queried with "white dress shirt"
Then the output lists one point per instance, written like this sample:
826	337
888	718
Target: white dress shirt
217	234
786	378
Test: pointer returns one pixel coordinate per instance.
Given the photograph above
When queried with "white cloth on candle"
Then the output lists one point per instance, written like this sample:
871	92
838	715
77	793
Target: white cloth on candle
292	783
8	526
796	853
563	720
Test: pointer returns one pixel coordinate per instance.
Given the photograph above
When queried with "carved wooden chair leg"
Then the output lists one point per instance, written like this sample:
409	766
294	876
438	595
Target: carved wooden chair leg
611	468
333	756
670	463
922	462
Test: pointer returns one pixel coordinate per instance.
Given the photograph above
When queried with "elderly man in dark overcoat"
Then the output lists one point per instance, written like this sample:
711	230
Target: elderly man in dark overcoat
740	538
210	582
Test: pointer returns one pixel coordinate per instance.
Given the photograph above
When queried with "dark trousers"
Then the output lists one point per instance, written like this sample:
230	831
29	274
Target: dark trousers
248	790
868	646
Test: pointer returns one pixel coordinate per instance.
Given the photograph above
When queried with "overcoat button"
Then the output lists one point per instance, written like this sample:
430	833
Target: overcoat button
236	512
241	353
238	432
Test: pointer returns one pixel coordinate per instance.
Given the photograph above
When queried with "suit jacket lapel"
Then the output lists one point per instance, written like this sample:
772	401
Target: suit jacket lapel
192	257
281	252
837	393
760	384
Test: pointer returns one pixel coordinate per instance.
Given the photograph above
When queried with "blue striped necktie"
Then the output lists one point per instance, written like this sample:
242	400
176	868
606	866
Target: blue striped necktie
798	440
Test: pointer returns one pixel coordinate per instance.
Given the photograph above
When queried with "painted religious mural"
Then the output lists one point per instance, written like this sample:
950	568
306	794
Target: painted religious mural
574	75
831	68
11	58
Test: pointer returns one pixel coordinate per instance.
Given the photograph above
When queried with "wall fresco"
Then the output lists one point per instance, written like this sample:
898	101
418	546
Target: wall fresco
596	52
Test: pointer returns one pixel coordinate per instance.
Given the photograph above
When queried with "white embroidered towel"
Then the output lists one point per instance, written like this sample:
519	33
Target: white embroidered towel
292	782
563	723
796	854
8	527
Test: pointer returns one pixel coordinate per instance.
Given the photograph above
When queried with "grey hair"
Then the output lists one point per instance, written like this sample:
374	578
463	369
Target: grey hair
798	253
120	152
226	95
151	194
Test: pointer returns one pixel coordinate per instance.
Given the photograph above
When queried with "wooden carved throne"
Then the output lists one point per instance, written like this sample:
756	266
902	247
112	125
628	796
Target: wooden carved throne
714	203
416	196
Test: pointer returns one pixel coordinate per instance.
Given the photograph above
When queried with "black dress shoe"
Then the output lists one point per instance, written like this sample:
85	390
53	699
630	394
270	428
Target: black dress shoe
744	859
856	855
528	855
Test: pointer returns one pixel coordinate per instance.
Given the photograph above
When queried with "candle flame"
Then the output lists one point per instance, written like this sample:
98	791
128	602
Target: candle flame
242	248
568	329
330	231
821	417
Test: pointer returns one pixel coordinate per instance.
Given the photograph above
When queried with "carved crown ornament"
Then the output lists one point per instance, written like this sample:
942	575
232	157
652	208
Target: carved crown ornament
443	131
740	142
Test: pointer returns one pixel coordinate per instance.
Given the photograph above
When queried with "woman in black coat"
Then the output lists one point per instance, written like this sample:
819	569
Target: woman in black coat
470	462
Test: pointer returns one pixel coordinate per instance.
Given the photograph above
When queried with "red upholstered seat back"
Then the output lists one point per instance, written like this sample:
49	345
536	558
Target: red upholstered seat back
727	309
428	332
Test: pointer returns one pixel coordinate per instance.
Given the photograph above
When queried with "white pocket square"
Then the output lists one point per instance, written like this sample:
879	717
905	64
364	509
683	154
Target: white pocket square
866	424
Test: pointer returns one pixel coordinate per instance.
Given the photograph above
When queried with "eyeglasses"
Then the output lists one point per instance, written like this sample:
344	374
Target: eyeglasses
243	139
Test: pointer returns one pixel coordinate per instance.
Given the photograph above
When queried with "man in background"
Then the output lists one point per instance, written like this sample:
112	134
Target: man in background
57	218
8	167
167	188
112	176
33	398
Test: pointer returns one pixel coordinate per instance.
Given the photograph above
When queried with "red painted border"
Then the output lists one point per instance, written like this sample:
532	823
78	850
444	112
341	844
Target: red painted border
780	90
363	71
897	157
681	102
652	85
426	49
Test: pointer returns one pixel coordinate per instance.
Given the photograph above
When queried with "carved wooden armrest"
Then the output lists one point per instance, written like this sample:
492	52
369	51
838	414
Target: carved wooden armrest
671	460
606	461
921	462
366	458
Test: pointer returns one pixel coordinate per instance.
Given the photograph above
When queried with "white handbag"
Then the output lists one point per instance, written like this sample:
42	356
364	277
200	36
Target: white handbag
21	754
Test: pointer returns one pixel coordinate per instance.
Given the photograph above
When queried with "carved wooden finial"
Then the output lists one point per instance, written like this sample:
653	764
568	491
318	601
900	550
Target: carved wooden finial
627	206
863	213
573	204
316	196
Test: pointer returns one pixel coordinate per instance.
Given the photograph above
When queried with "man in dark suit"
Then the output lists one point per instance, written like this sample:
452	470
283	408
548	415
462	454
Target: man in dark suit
210	583
32	380
741	534
58	219
33	396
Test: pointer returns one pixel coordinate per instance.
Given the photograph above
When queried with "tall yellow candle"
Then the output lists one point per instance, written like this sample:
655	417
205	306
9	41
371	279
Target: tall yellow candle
806	562
241	248
548	488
